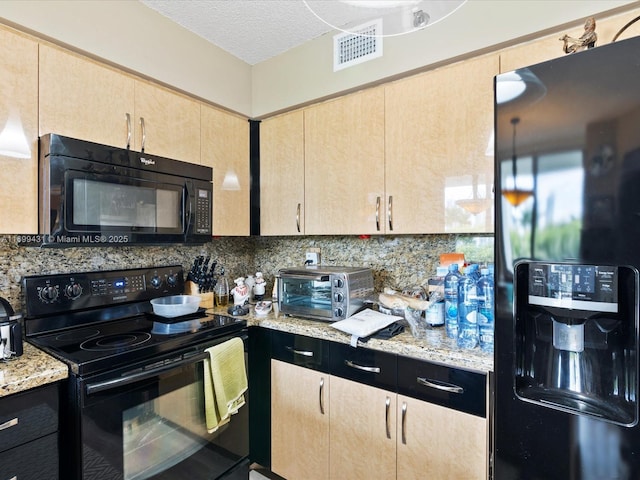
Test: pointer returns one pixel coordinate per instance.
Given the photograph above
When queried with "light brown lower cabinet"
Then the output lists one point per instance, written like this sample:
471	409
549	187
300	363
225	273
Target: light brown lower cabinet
439	442
299	422
328	427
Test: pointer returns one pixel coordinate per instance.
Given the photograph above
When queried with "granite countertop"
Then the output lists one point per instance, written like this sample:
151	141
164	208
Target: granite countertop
435	347
30	370
35	368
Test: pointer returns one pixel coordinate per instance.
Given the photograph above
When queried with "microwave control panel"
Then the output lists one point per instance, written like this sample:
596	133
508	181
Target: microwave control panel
203	211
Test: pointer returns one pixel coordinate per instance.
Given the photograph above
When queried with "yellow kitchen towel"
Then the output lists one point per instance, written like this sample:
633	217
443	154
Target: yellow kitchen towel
225	382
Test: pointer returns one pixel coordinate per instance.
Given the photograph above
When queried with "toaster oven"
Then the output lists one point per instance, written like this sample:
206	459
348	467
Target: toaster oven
323	292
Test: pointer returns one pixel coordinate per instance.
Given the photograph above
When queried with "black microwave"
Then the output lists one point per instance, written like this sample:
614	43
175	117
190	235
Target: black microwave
92	194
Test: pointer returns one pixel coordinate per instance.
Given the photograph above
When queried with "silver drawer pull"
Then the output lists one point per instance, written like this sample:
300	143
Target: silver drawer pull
10	423
128	130
304	353
349	363
14	478
404	423
387	418
447	387
322	396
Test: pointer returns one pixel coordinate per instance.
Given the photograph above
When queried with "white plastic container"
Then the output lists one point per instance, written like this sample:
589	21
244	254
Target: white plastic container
175	305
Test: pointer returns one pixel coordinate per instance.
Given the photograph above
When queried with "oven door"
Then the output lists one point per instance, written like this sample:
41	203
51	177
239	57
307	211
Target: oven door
150	423
306	295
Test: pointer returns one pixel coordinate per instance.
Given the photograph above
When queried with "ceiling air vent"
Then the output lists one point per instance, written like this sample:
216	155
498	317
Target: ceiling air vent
360	44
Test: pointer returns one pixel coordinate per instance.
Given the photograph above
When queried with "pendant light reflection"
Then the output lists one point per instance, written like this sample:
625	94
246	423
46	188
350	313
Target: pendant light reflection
231	181
475	205
521	84
13	142
515	196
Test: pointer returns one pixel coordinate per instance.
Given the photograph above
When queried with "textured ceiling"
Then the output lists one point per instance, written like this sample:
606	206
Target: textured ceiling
256	30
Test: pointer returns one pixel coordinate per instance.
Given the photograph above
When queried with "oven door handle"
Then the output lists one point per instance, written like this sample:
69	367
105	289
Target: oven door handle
144	374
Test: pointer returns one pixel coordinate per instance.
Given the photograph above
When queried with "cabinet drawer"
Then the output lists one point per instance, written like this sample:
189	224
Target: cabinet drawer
300	350
370	367
27	416
36	460
450	387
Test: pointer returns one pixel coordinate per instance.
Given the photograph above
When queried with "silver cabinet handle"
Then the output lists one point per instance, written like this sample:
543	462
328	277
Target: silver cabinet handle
387	418
9	423
321	399
14	478
349	363
298	218
378	214
144	134
447	387
304	353
404	423
390	212
128	130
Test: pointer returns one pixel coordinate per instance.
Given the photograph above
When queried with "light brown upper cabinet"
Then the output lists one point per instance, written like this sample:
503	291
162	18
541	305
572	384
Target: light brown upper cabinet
166	123
344	165
225	148
18	122
83	99
438	152
282	175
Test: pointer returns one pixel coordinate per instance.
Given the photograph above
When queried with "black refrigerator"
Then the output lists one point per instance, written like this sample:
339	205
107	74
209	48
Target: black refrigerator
567	150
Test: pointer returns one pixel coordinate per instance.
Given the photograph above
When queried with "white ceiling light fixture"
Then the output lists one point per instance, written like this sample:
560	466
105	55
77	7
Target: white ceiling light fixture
399	16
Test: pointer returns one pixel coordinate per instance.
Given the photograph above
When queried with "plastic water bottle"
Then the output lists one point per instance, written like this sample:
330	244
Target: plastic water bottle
451	281
467	312
486	317
434	315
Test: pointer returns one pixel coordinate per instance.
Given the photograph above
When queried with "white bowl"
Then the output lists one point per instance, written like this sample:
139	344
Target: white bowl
175	305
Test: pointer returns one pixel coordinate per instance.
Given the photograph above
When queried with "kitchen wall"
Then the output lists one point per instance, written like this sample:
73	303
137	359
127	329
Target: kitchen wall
397	261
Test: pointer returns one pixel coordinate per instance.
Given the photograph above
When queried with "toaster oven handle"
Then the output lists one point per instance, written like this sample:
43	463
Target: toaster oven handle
317	278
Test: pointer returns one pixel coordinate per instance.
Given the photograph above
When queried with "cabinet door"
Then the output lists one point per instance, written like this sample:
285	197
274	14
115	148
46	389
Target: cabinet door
171	123
438	442
363	431
344	165
439	162
83	99
299	422
18	123
225	148
282	175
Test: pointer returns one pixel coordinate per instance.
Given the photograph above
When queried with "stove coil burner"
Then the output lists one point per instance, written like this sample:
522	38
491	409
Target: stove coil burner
77	335
119	341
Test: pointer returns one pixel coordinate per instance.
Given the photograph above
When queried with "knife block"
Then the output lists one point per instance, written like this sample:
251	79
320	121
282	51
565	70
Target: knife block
206	301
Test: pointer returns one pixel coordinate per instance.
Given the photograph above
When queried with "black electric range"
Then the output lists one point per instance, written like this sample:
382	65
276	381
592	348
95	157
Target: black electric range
100	320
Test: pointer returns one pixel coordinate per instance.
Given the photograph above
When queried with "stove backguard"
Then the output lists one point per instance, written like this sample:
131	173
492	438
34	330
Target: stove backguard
576	338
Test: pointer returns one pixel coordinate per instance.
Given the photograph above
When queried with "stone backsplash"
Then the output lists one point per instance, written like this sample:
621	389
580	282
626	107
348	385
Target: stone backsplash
397	261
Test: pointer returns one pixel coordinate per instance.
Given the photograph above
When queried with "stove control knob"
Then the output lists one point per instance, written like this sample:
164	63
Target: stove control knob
73	290
172	279
49	294
156	281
